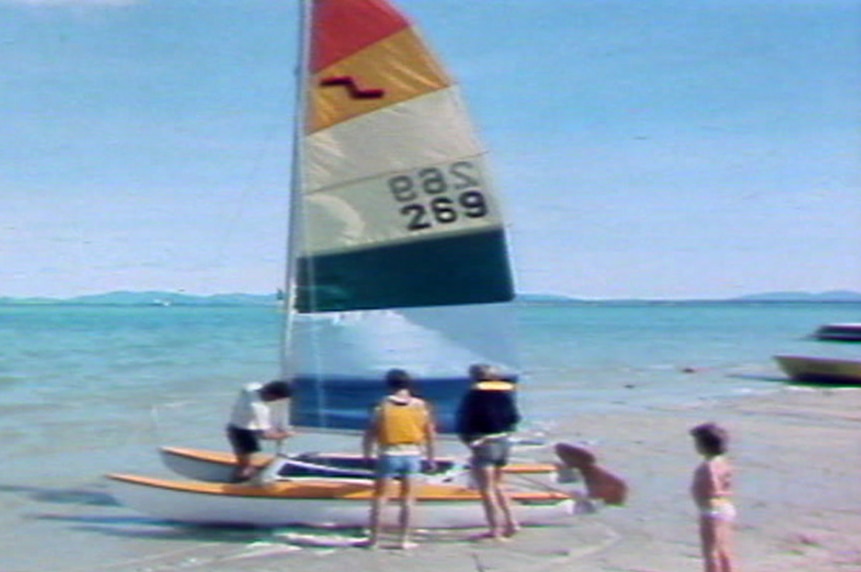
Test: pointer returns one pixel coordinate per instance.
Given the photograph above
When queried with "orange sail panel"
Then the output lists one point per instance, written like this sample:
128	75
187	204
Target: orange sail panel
365	57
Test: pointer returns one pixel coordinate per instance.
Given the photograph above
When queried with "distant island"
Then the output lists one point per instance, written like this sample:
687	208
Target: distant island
837	296
160	298
154	298
829	296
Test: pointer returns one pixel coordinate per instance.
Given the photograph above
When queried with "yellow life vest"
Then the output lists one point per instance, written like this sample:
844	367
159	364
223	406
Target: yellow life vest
494	385
402	424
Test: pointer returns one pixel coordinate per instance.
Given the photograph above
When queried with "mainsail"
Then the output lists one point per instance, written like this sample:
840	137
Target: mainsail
398	249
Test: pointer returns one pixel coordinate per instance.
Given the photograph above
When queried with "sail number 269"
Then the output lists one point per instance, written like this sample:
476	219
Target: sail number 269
439	195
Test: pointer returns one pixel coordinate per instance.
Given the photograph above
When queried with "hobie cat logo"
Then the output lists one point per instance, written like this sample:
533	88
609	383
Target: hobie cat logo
353	89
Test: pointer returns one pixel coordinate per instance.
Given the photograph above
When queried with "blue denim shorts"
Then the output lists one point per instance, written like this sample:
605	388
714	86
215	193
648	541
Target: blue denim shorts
389	466
491	452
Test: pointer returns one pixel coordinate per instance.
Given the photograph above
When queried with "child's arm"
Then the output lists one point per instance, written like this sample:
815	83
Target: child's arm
722	480
702	487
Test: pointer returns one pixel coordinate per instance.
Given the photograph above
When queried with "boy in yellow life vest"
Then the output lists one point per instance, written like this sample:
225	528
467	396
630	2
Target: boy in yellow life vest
402	430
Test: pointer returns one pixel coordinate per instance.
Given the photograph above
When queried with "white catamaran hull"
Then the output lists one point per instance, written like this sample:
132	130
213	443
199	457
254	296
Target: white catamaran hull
316	502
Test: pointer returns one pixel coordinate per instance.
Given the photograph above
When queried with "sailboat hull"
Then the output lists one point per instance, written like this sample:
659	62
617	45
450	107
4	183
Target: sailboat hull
219	467
316	502
820	371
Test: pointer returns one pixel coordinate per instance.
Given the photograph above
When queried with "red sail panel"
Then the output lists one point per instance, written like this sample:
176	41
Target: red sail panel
341	28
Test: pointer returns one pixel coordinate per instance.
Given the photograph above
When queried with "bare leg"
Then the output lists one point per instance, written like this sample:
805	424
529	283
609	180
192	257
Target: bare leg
510	526
723	546
244	470
381	485
708	541
484	478
407	505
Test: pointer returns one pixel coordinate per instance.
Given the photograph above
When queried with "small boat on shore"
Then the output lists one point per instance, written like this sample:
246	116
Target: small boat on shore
821	370
839	332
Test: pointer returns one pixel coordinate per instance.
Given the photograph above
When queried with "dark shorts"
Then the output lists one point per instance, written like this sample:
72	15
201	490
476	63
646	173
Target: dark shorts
492	452
244	441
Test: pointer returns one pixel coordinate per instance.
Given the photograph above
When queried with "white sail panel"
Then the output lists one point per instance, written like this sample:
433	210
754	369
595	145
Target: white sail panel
342	358
429	342
369	212
427	130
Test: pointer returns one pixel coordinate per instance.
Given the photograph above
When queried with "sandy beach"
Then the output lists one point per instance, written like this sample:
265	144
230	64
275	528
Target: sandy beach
796	454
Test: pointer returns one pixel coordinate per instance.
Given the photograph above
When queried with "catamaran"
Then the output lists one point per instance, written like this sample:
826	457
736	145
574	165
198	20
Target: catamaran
397	257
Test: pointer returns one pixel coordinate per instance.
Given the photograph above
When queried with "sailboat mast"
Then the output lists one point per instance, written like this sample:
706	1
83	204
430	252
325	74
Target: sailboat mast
296	181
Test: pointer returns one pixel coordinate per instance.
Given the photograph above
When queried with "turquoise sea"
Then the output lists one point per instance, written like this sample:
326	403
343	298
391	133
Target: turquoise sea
93	378
86	390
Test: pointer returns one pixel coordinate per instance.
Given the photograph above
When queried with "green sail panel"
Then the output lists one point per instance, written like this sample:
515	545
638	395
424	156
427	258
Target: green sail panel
436	275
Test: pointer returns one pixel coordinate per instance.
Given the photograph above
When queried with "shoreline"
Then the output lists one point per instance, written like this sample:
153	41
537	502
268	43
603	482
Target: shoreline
795	452
788	520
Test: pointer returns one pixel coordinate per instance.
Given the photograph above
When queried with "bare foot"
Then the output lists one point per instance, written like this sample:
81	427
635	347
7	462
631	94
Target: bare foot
244	477
511	530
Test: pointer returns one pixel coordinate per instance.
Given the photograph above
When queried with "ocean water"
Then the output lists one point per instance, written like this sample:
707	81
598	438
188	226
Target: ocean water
86	390
100	377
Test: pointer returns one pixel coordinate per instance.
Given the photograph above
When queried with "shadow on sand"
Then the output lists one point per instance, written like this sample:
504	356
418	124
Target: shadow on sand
143	528
140	527
79	496
753	377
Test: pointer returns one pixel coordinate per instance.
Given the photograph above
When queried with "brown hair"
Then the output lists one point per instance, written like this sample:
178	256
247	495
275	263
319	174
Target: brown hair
711	438
398	379
482	372
277	389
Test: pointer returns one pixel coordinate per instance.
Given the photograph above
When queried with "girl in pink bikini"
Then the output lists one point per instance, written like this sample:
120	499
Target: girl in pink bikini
712	491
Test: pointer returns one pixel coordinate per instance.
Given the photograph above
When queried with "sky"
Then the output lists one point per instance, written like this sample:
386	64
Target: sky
666	149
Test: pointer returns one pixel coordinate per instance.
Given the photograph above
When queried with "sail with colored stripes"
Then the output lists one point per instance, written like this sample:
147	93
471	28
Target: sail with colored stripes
398	249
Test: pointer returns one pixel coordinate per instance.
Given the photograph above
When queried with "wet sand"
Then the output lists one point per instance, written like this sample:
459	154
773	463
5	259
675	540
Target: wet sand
797	456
